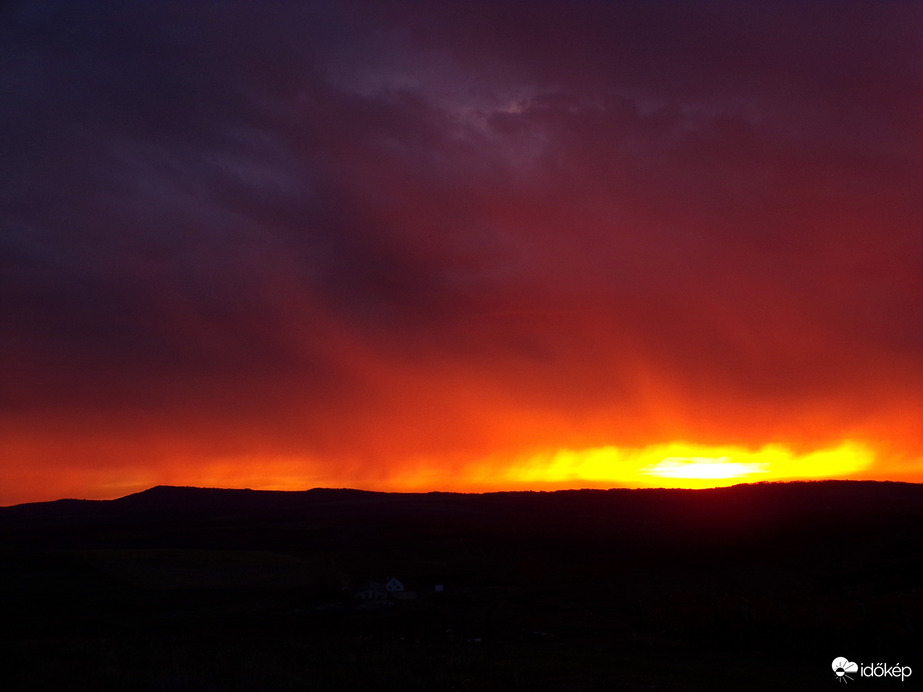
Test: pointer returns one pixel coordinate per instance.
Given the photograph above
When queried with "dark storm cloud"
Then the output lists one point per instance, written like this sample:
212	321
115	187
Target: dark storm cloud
305	217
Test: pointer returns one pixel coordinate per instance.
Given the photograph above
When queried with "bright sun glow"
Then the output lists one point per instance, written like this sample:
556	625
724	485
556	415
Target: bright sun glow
705	467
689	465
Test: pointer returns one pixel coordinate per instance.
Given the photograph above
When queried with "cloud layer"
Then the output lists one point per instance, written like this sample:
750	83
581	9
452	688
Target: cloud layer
339	241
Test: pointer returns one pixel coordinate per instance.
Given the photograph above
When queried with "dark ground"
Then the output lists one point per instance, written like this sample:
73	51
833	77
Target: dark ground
754	587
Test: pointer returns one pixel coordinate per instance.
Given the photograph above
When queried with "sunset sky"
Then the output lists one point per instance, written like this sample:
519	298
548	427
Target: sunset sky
458	245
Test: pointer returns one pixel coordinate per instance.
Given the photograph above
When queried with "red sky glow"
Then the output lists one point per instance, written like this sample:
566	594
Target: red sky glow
458	246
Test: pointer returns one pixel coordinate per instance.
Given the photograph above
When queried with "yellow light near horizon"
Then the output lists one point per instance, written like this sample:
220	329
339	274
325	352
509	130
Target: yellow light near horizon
705	467
682	464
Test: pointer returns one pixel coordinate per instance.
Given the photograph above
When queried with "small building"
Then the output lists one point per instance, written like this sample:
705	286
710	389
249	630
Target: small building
370	591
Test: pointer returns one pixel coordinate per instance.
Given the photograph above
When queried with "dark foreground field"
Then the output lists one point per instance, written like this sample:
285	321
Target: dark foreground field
746	588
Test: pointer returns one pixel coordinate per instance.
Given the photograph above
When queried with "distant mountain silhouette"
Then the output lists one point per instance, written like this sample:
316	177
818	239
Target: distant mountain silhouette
741	512
750	503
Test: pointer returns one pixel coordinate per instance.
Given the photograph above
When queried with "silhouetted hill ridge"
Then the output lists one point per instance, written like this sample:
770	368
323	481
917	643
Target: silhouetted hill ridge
782	571
745	505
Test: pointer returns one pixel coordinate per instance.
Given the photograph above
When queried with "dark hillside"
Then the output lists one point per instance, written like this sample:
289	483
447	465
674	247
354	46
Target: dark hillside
585	589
